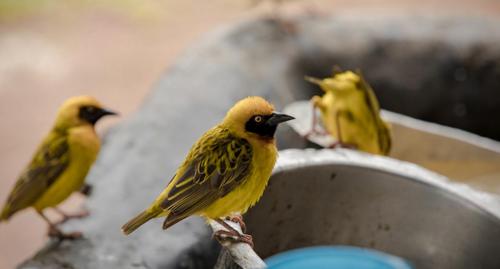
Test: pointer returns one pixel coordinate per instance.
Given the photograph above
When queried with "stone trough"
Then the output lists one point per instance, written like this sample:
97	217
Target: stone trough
443	70
343	197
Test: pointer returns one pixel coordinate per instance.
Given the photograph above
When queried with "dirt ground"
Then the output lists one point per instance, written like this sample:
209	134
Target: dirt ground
116	51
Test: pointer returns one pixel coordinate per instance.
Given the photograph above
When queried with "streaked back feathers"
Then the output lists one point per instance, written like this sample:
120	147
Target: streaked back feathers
218	163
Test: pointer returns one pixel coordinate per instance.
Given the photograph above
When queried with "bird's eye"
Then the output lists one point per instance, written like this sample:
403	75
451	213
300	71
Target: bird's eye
90	109
258	119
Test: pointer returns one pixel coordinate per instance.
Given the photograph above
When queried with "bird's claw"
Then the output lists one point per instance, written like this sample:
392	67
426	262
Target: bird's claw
54	232
67	217
222	236
247	239
238	219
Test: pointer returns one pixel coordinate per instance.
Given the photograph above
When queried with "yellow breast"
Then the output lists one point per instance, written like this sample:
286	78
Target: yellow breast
246	195
83	149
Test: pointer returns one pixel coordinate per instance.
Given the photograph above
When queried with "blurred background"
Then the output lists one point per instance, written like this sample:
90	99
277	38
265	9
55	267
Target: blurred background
116	50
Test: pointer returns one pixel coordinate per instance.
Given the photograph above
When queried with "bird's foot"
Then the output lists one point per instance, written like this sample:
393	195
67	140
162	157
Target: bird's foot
55	232
339	144
238	219
247	239
222	236
66	217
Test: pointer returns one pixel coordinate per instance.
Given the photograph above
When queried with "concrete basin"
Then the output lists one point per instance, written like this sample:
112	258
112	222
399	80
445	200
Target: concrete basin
342	197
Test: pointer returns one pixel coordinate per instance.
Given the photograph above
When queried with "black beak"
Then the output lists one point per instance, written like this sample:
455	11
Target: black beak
92	114
105	112
277	118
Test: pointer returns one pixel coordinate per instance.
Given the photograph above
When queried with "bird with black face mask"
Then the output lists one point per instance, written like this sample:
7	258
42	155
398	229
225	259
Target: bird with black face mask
224	173
60	164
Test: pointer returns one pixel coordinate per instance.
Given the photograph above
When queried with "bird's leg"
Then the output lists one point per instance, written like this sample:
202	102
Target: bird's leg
314	124
238	219
339	142
339	132
54	231
66	216
231	234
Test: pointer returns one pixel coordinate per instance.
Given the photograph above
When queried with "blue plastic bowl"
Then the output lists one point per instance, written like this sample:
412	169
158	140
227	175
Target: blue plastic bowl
335	258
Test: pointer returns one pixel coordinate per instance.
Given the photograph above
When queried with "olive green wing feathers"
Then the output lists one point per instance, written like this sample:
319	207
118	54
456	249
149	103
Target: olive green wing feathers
371	99
217	164
49	162
384	132
385	138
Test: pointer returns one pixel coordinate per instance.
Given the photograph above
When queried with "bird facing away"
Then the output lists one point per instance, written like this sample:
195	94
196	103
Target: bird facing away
350	113
60	164
224	173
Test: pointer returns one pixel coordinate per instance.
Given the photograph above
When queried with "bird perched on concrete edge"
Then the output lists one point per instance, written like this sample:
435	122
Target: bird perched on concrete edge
60	164
224	173
350	112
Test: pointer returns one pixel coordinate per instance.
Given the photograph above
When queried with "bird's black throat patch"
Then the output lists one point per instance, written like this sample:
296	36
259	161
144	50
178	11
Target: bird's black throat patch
259	125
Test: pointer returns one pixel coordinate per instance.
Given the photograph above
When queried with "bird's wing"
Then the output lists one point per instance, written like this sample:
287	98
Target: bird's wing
49	162
217	164
371	99
385	138
384	133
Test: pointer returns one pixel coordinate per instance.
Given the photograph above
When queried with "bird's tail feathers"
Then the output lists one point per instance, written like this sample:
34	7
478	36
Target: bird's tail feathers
313	80
138	220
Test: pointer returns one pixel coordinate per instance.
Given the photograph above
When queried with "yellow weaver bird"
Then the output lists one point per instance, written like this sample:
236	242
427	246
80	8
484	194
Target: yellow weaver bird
350	113
224	173
60	164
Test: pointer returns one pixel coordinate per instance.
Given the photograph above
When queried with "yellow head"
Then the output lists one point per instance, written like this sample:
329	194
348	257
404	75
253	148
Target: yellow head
339	83
78	111
254	118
